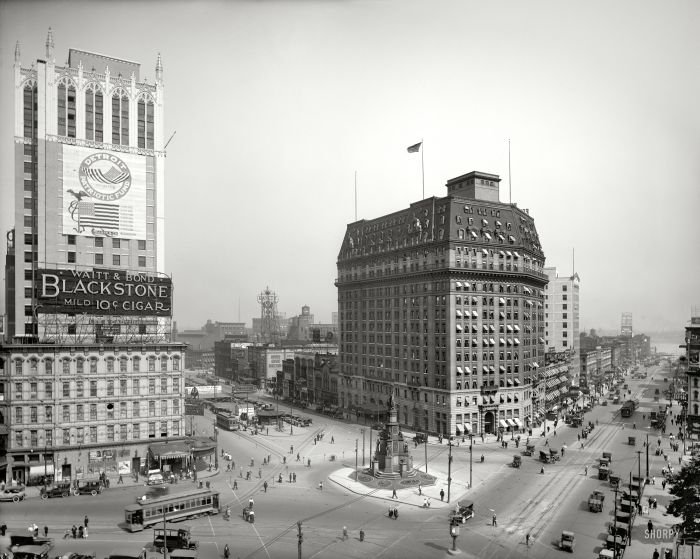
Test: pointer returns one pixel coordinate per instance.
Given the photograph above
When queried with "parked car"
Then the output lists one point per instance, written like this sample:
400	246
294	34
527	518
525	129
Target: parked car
56	491
14	494
89	488
420	438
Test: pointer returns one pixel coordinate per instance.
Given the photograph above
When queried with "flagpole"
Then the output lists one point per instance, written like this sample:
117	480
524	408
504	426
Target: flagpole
510	199
355	195
422	168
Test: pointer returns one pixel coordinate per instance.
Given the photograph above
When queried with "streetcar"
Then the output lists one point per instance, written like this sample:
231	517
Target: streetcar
190	504
227	421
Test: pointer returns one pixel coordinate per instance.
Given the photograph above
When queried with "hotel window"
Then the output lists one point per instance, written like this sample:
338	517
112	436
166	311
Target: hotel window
151	386
122	432
163	364
163	428
145	123
94	115
48	367
176	363
80	363
164	385
81	435
93	434
110	411
79	389
93	365
142	261
71	257
33	390
66	366
122	410
66	389
176	407
110	388
120	118
142	244
19	365
151	364
136	364
151	408
110	365
136	431
18	415
116	243
93	412
163	407
80	412
136	409
122	387
66	414
66	436
151	430
70	239
116	260
122	365
176	428
93	388
48	414
18	439
134	387
66	109
99	242
30	110
48	437
34	438
110	432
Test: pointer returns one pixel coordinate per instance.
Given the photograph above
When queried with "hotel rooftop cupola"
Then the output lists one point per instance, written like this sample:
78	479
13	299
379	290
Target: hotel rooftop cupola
475	186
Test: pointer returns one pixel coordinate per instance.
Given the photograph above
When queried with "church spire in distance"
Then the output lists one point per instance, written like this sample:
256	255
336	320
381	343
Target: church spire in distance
17	53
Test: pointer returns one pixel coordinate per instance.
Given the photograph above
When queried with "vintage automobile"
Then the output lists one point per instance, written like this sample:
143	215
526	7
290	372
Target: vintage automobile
567	542
462	512
37	551
517	461
603	472
89	488
173	537
614	480
63	490
420	438
14	494
544	457
598	496
529	449
555	454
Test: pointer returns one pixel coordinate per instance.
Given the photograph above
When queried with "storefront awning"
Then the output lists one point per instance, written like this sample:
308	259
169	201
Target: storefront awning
166	451
459	370
38	471
467	428
510	422
503	423
468	370
518	423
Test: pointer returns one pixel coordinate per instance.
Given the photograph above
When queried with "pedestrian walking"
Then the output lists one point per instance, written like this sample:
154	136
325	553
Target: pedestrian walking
320	485
120	480
585	471
74	531
442	494
260	472
655	555
420	489
46	531
80	532
332	440
294	477
393	494
235	485
290	477
345	533
265	486
527	539
251	503
85	522
663	484
362	535
493	520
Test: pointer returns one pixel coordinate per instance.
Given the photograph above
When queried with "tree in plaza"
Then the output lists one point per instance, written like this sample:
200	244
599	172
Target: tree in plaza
685	487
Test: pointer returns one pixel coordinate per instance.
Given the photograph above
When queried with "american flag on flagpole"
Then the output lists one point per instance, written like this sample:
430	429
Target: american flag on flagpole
98	214
414	148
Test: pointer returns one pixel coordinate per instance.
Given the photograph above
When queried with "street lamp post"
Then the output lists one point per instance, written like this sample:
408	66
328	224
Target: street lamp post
454	532
356	441
363	446
471	453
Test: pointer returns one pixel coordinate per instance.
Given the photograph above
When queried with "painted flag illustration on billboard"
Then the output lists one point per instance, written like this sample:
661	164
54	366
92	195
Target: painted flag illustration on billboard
110	176
98	214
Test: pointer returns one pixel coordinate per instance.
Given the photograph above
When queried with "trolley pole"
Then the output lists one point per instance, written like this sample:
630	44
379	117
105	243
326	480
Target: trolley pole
363	447
356	441
471	453
371	465
647	455
449	469
426	453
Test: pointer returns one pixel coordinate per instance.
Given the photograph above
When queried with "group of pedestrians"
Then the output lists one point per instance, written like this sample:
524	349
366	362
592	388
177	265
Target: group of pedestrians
76	532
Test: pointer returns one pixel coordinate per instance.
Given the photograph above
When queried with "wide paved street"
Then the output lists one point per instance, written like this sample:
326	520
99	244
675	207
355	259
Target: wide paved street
524	500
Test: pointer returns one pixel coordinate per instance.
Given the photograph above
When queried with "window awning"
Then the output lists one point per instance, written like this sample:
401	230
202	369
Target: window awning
501	237
501	300
468	370
502	423
517	341
515	254
458	429
517	328
542	340
502	315
485	369
484	252
502	368
510	422
492	341
485	342
492	369
509	328
517	422
473	234
509	341
459	370
458	284
501	252
509	382
485	328
467	427
511	238
459	327
517	381
459	313
487	235
466	285
484	222
475	314
534	365
475	301
502	341
509	253
526	290
474	328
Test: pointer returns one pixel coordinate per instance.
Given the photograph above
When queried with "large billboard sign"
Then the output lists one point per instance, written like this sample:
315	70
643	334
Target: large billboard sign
104	292
104	193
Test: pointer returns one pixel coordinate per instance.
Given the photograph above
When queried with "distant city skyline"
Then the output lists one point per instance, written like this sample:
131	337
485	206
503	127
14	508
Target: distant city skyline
276	105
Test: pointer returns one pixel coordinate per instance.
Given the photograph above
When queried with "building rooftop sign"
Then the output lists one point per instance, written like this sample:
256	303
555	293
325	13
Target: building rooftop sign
104	292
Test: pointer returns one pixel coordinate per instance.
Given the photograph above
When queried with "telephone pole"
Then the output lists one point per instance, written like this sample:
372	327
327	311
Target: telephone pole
449	469
300	538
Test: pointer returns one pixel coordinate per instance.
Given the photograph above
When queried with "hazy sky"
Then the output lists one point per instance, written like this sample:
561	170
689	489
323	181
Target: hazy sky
277	104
